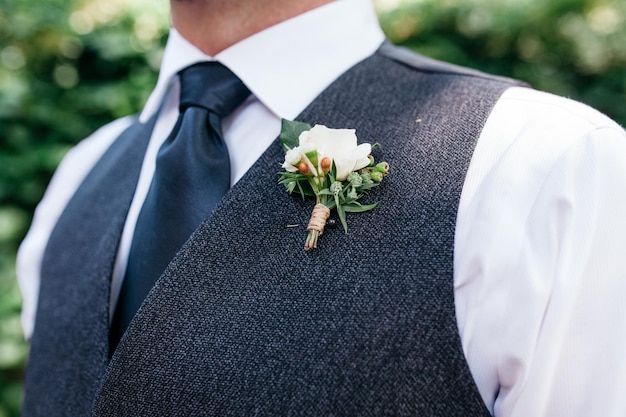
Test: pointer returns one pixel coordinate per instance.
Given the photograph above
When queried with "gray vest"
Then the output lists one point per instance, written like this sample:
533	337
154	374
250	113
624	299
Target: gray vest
244	321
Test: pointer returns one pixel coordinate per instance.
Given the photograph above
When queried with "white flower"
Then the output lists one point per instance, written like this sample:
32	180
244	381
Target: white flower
311	152
337	144
292	159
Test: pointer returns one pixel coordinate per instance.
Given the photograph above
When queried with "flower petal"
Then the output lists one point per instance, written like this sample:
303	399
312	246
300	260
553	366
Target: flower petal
344	167
361	155
292	156
289	168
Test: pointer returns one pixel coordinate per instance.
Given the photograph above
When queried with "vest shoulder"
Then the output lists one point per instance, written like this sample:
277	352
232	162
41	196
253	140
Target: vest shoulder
421	63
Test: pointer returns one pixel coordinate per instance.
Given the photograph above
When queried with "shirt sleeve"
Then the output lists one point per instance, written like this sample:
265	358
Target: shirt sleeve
540	280
68	176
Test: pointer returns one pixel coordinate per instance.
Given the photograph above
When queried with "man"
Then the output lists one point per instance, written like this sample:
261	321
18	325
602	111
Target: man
523	264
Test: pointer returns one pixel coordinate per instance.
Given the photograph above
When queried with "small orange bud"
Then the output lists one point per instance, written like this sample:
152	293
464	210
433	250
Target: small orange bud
326	164
303	167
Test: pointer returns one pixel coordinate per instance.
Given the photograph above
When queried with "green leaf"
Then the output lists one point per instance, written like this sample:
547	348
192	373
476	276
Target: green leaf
290	132
291	180
328	202
286	177
333	173
342	214
367	186
359	208
305	189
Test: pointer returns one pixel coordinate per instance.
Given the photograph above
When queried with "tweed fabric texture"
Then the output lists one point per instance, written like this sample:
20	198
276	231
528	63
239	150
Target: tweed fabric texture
245	322
69	351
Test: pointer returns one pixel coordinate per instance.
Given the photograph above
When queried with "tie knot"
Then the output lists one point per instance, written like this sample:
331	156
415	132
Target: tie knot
212	86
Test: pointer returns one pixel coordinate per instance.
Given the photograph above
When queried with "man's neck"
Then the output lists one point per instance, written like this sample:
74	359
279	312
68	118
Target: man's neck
214	25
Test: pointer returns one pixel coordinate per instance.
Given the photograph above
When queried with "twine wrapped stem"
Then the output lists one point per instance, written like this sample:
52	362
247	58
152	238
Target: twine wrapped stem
318	219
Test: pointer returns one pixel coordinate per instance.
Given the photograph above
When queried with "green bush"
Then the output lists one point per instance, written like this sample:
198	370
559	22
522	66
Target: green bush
574	48
68	67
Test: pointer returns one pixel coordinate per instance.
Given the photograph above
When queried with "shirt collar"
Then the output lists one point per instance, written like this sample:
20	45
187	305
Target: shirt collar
287	65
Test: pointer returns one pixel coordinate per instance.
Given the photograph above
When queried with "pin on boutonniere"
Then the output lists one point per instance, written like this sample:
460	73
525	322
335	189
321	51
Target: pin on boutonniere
329	165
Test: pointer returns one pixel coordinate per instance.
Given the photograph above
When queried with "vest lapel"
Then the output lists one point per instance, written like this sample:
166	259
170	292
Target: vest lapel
69	349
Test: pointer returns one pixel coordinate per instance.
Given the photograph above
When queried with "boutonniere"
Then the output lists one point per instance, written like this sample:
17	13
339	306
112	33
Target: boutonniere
329	165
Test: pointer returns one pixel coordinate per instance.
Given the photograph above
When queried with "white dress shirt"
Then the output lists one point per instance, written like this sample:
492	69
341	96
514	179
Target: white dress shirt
541	231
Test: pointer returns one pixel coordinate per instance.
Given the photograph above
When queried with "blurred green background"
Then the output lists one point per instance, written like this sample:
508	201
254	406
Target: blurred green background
69	66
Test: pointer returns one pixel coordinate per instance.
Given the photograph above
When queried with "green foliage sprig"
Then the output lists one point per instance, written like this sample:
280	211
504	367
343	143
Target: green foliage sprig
312	171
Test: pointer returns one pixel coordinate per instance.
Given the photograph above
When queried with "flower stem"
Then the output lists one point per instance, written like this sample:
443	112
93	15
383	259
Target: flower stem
316	225
311	240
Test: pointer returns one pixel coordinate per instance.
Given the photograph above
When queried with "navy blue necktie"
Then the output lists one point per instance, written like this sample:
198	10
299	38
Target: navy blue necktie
192	175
